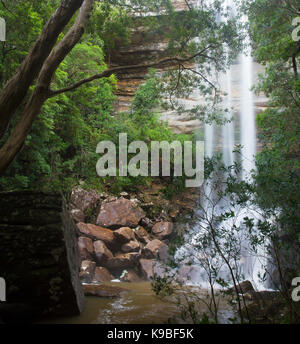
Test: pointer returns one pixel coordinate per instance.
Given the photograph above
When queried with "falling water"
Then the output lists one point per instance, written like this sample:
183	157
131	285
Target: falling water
241	103
248	130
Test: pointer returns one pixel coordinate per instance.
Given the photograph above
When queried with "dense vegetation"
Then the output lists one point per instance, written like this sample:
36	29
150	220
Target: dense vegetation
59	151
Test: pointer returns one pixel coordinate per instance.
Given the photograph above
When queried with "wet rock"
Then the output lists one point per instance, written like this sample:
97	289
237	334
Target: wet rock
163	230
131	246
124	234
83	199
86	248
122	261
102	275
130	276
101	290
120	213
155	249
103	254
150	267
142	235
98	233
77	215
87	271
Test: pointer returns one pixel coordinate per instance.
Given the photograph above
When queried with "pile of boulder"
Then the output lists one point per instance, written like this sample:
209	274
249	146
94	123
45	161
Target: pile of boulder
116	239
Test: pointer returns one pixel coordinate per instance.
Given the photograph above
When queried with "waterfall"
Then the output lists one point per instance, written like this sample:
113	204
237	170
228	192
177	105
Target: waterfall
237	99
247	117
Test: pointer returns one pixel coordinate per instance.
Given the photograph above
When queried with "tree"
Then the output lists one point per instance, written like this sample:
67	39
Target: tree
40	65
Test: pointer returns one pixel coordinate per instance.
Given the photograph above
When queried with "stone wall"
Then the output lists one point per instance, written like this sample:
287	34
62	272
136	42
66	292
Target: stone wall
38	254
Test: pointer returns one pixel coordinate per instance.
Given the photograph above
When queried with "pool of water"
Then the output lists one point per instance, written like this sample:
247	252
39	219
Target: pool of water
139	305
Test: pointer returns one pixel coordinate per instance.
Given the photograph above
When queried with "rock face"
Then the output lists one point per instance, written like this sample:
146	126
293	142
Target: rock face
120	213
39	257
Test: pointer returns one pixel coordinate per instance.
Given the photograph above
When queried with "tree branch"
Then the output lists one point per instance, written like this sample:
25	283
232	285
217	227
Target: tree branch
123	69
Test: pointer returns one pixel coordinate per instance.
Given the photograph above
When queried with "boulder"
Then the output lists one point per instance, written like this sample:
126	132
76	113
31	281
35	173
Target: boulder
102	290
150	267
87	271
146	267
142	235
155	249
245	287
98	233
103	254
86	248
84	200
120	213
124	235
122	261
163	230
77	215
102	275
130	276
131	246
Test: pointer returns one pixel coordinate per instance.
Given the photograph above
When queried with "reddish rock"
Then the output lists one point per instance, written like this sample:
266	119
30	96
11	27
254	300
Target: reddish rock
98	233
84	200
87	271
103	254
77	215
150	267
122	261
155	248
86	248
124	234
102	290
163	230
142	235
146	267
131	276
120	213
131	246
102	275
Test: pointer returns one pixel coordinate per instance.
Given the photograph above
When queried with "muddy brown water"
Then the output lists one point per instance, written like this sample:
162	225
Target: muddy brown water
138	306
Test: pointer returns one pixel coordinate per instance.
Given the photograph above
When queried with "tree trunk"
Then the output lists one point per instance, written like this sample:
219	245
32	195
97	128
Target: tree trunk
17	87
